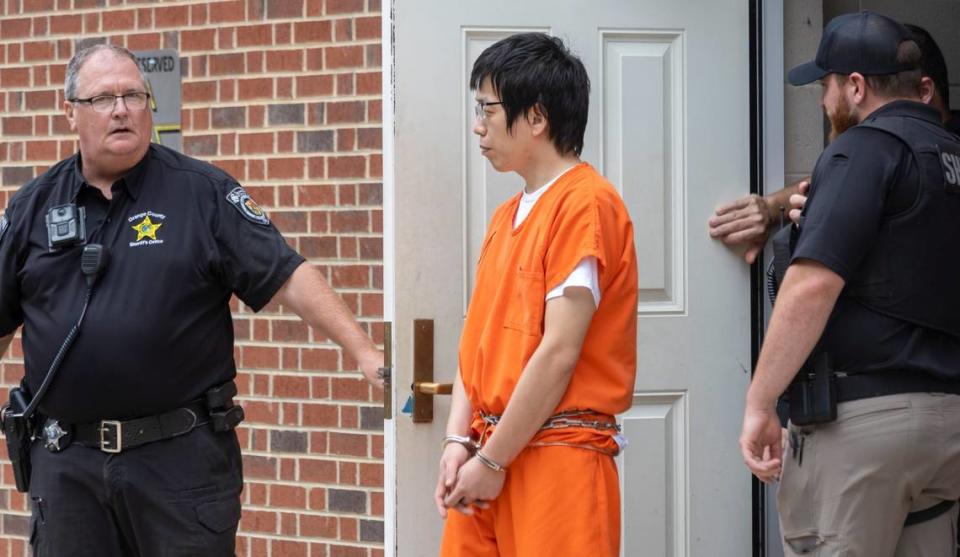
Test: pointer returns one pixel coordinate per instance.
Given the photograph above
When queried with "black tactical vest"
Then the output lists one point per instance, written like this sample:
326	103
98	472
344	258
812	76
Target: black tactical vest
912	271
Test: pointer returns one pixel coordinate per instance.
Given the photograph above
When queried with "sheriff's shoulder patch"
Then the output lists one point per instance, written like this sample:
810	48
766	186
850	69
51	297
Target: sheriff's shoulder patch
242	201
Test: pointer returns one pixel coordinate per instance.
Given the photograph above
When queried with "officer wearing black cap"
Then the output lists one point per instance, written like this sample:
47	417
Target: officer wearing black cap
119	263
865	332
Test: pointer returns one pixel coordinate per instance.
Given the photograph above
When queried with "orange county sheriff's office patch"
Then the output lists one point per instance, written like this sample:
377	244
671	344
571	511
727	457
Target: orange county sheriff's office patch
146	226
242	201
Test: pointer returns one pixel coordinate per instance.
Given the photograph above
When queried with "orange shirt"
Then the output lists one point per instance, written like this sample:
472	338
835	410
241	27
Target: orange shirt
580	215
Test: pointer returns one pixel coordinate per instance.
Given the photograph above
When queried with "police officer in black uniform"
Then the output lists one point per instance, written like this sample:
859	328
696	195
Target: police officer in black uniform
866	327
134	453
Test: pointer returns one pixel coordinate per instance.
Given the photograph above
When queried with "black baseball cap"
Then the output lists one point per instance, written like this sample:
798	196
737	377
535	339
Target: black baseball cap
866	43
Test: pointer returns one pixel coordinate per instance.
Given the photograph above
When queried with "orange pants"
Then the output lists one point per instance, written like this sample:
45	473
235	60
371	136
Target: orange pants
555	501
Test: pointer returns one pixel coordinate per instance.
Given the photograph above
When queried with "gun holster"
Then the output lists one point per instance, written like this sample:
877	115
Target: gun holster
18	430
224	414
813	394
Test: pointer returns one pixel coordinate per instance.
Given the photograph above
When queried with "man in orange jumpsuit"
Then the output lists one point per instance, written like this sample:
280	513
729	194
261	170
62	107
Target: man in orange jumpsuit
548	350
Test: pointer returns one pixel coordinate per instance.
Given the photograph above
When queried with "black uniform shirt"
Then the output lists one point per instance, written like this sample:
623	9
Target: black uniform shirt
953	124
182	236
864	175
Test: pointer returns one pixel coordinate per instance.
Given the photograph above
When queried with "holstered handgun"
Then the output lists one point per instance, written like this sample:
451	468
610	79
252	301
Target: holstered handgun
19	432
813	394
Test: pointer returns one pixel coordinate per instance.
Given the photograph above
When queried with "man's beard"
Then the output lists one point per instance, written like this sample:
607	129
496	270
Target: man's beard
842	119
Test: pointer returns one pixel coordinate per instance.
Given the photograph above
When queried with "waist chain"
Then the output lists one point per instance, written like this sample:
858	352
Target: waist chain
567	420
572	418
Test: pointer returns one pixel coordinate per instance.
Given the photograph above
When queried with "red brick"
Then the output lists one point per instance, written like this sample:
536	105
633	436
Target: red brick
262	357
370	138
14	77
314	85
251	143
288	496
320	415
345	112
255	35
18	125
345	84
118	20
254	62
38	5
225	38
277	9
144	18
282	33
258	521
228	90
199	39
314	59
369	83
199	91
312	32
91	22
290	330
284	548
343	57
285	61
172	16
199	14
345	167
262	412
318	526
290	386
257	88
144	41
318	471
66	24
226	64
344	6
343	30
285	168
221	12
14	28
367	28
348	444
42	150
41	100
346	140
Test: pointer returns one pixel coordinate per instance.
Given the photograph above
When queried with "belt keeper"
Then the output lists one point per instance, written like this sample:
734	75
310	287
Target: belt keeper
488	462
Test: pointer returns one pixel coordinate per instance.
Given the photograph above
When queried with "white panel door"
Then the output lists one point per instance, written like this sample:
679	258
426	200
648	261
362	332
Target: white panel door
668	125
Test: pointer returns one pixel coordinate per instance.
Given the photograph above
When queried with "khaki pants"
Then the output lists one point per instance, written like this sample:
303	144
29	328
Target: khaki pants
847	488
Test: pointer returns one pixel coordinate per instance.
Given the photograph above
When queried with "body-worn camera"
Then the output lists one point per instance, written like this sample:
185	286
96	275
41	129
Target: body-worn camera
65	226
19	433
813	394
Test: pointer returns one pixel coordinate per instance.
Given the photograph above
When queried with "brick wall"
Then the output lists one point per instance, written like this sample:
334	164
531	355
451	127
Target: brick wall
284	95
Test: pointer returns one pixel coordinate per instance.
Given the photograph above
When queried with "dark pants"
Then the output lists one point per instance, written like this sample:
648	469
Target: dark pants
174	498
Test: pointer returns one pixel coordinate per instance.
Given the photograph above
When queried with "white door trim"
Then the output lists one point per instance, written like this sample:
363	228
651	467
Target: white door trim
389	262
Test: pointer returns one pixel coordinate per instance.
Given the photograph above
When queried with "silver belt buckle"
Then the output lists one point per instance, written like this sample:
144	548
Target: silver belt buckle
117	426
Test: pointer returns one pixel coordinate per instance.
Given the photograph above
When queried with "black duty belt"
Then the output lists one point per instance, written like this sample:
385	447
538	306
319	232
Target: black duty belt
113	436
868	385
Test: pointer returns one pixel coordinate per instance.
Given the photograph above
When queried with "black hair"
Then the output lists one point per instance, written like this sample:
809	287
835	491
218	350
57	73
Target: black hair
532	69
932	63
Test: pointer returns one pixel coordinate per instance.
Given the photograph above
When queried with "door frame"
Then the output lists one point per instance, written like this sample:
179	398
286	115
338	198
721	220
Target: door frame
766	169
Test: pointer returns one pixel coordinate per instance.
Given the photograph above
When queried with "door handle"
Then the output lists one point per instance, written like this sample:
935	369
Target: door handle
433	388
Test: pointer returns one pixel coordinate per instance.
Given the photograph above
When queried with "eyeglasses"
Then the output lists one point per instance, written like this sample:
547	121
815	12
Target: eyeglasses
479	110
106	103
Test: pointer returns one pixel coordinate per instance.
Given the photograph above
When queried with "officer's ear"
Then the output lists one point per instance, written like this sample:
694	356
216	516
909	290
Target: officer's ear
856	85
69	110
927	90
